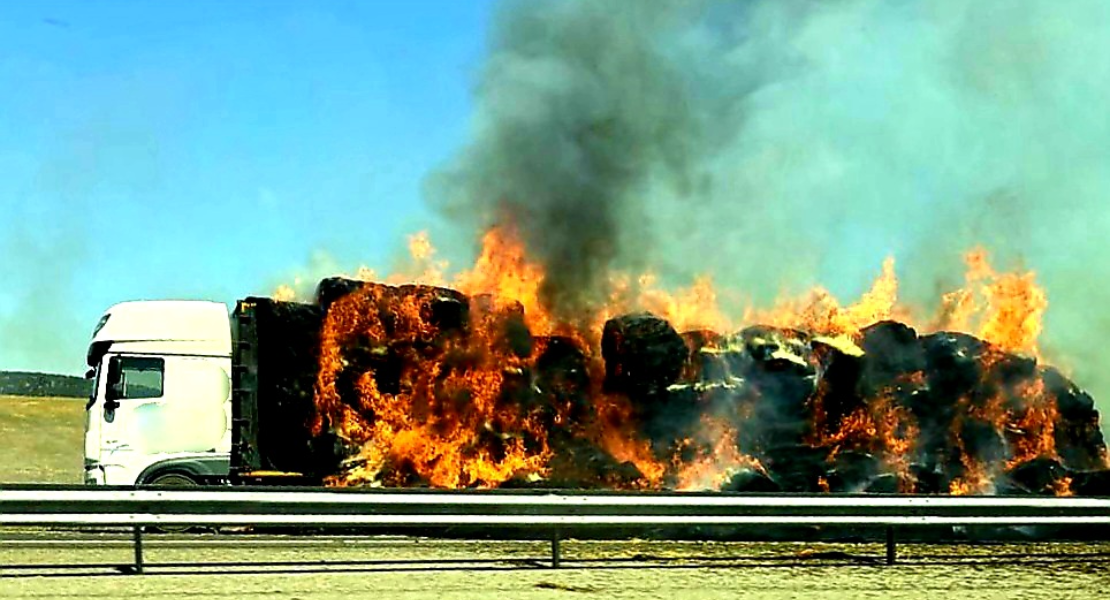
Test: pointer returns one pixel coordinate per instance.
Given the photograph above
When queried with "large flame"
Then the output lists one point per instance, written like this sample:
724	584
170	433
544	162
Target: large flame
448	418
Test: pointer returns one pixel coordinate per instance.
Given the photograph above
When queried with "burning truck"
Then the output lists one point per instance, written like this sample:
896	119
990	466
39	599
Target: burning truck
475	385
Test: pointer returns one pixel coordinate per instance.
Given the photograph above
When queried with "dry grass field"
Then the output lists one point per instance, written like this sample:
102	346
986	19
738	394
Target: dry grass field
42	439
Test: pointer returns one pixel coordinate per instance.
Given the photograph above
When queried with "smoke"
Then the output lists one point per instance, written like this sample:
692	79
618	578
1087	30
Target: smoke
35	315
578	108
777	144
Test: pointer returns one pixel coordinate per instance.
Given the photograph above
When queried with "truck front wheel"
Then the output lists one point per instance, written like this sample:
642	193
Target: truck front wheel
173	480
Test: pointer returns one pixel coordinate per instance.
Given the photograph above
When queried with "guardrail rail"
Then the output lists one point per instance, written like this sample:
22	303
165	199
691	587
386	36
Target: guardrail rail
550	512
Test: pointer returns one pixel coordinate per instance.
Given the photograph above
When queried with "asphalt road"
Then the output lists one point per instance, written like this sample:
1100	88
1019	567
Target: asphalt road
35	564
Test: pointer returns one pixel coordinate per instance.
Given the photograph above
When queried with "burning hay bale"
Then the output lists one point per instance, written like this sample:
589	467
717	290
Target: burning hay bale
643	355
419	385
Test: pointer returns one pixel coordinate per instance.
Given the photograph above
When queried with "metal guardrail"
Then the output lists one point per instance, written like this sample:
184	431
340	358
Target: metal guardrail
548	511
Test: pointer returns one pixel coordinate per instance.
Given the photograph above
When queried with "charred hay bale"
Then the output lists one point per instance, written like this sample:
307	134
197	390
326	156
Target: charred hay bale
578	464
1008	370
852	470
644	357
1073	403
928	478
713	380
796	468
560	382
495	439
1091	483
963	366
782	365
331	289
1042	475
643	354
954	374
443	309
774	374
1079	439
893	367
778	350
705	361
953	362
385	363
838	388
674	417
892	349
749	480
981	441
883	483
966	378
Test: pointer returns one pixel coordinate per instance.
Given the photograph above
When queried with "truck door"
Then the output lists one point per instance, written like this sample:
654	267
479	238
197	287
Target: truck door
134	384
160	407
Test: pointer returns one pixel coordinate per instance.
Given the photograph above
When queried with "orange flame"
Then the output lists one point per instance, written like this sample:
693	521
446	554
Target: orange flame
713	466
1005	309
445	422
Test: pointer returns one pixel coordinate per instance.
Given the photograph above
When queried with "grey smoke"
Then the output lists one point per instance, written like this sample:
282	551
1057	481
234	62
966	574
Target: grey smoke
578	108
778	144
38	318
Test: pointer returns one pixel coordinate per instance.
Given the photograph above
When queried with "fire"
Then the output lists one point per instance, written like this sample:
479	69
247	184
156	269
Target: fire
431	421
713	463
452	403
1005	309
820	312
1031	428
504	272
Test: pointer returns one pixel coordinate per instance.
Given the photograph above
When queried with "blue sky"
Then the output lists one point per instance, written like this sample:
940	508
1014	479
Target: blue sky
206	149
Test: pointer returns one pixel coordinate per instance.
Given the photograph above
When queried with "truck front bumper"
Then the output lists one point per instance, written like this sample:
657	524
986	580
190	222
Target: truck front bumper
94	473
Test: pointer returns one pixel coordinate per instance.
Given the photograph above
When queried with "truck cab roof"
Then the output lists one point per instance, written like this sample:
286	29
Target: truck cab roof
163	326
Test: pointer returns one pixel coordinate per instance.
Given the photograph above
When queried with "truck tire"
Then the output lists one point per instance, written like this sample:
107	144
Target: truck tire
173	479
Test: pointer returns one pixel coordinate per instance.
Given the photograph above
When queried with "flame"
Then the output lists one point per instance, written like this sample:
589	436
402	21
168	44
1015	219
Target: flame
715	463
1062	486
433	422
692	308
820	312
978	476
448	418
285	293
1005	309
1031	430
881	428
504	272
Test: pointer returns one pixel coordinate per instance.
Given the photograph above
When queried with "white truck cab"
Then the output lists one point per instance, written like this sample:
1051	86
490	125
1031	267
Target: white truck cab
160	407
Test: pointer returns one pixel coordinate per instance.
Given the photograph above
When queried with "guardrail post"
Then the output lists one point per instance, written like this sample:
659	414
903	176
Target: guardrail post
890	549
138	534
556	559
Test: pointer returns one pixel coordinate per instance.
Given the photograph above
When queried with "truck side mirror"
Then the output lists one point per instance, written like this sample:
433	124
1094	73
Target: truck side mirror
114	390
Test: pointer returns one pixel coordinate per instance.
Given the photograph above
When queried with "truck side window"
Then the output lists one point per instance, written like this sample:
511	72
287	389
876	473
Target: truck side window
141	377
